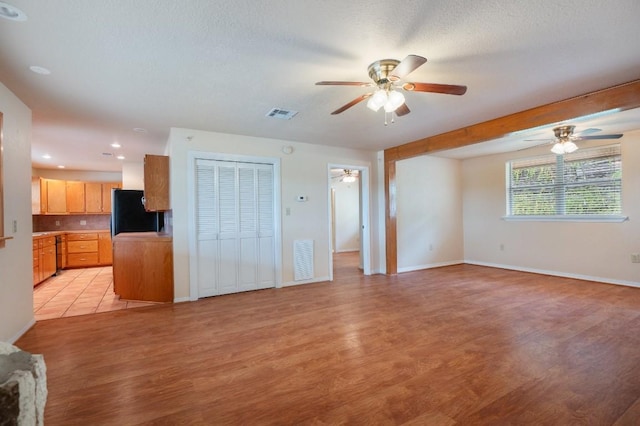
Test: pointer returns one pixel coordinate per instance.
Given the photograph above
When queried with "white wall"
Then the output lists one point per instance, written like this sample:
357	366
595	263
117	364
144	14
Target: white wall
347	216
16	278
304	172
132	175
429	212
598	251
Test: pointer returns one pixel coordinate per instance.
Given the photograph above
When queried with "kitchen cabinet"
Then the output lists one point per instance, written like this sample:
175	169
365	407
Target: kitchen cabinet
143	266
82	249
75	197
105	251
106	195
93	197
44	258
36	262
52	196
55	195
156	183
61	251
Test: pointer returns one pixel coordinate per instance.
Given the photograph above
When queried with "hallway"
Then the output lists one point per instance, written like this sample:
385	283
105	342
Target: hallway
78	292
346	265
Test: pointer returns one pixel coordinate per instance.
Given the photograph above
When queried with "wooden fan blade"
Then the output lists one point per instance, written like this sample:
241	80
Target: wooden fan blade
402	110
584	138
406	66
343	83
448	89
352	103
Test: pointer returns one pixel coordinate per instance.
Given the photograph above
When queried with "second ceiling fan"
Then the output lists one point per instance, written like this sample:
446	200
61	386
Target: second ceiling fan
564	141
387	75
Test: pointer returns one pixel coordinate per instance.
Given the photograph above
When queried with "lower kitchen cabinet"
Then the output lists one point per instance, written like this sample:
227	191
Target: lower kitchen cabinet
36	262
71	250
82	249
105	251
44	258
89	249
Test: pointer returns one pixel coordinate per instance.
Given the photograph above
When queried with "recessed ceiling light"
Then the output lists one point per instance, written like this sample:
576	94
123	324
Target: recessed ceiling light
61	166
11	12
120	157
47	156
115	145
39	70
140	130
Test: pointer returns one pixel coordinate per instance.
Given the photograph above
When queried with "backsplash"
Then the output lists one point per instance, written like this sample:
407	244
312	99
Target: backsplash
76	222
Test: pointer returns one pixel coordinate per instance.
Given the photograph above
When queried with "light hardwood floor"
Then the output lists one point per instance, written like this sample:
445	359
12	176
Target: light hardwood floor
78	292
455	345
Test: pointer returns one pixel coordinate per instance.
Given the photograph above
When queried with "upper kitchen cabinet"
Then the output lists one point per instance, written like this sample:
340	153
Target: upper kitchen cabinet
107	188
156	183
75	197
52	196
93	197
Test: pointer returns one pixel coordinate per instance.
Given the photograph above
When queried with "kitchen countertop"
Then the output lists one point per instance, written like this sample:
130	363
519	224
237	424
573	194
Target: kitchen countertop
143	236
55	233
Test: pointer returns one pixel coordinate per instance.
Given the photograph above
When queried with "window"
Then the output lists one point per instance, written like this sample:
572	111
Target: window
582	185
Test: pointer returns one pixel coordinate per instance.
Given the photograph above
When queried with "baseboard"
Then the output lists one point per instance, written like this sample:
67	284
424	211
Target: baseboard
429	266
556	273
24	329
347	251
311	281
181	299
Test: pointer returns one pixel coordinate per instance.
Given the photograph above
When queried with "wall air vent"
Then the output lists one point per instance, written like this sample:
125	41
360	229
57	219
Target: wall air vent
282	113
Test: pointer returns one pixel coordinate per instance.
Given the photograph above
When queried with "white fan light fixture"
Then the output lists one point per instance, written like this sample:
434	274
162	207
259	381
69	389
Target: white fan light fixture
389	99
567	147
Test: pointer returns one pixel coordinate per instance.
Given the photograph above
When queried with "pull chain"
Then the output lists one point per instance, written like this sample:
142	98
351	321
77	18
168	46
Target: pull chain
385	118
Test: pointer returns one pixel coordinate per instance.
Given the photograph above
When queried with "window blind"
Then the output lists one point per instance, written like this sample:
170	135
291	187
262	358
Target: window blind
586	182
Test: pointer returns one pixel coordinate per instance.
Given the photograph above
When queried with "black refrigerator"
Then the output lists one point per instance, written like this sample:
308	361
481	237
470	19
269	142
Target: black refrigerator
128	213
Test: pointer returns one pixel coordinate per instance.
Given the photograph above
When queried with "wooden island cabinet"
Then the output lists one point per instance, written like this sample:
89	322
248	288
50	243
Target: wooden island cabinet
143	266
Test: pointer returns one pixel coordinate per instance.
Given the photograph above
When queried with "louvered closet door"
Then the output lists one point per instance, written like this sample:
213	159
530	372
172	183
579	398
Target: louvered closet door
235	227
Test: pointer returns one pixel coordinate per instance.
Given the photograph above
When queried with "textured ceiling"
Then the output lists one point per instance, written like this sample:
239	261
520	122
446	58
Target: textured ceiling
221	66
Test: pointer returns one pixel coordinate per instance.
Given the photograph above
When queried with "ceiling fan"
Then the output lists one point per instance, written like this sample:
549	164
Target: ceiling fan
347	176
565	138
387	75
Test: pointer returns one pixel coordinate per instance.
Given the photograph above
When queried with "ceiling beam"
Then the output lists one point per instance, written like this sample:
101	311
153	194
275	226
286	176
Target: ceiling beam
618	98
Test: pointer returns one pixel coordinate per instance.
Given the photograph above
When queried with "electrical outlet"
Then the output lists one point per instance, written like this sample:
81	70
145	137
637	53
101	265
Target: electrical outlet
83	222
635	257
57	223
15	226
430	247
501	247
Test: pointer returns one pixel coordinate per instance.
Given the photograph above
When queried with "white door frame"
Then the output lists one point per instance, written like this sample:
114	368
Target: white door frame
365	231
191	208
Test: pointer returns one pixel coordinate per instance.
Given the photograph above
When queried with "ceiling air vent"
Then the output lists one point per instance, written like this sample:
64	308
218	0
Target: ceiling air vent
281	113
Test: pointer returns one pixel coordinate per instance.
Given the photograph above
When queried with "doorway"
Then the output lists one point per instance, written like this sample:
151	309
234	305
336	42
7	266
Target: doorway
349	219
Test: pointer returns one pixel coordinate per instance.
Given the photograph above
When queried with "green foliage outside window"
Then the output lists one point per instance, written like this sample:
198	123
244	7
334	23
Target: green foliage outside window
583	183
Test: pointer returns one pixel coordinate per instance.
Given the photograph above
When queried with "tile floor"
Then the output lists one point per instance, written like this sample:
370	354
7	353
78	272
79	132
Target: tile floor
78	292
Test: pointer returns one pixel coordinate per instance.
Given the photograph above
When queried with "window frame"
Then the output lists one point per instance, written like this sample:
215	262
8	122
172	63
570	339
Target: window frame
558	168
